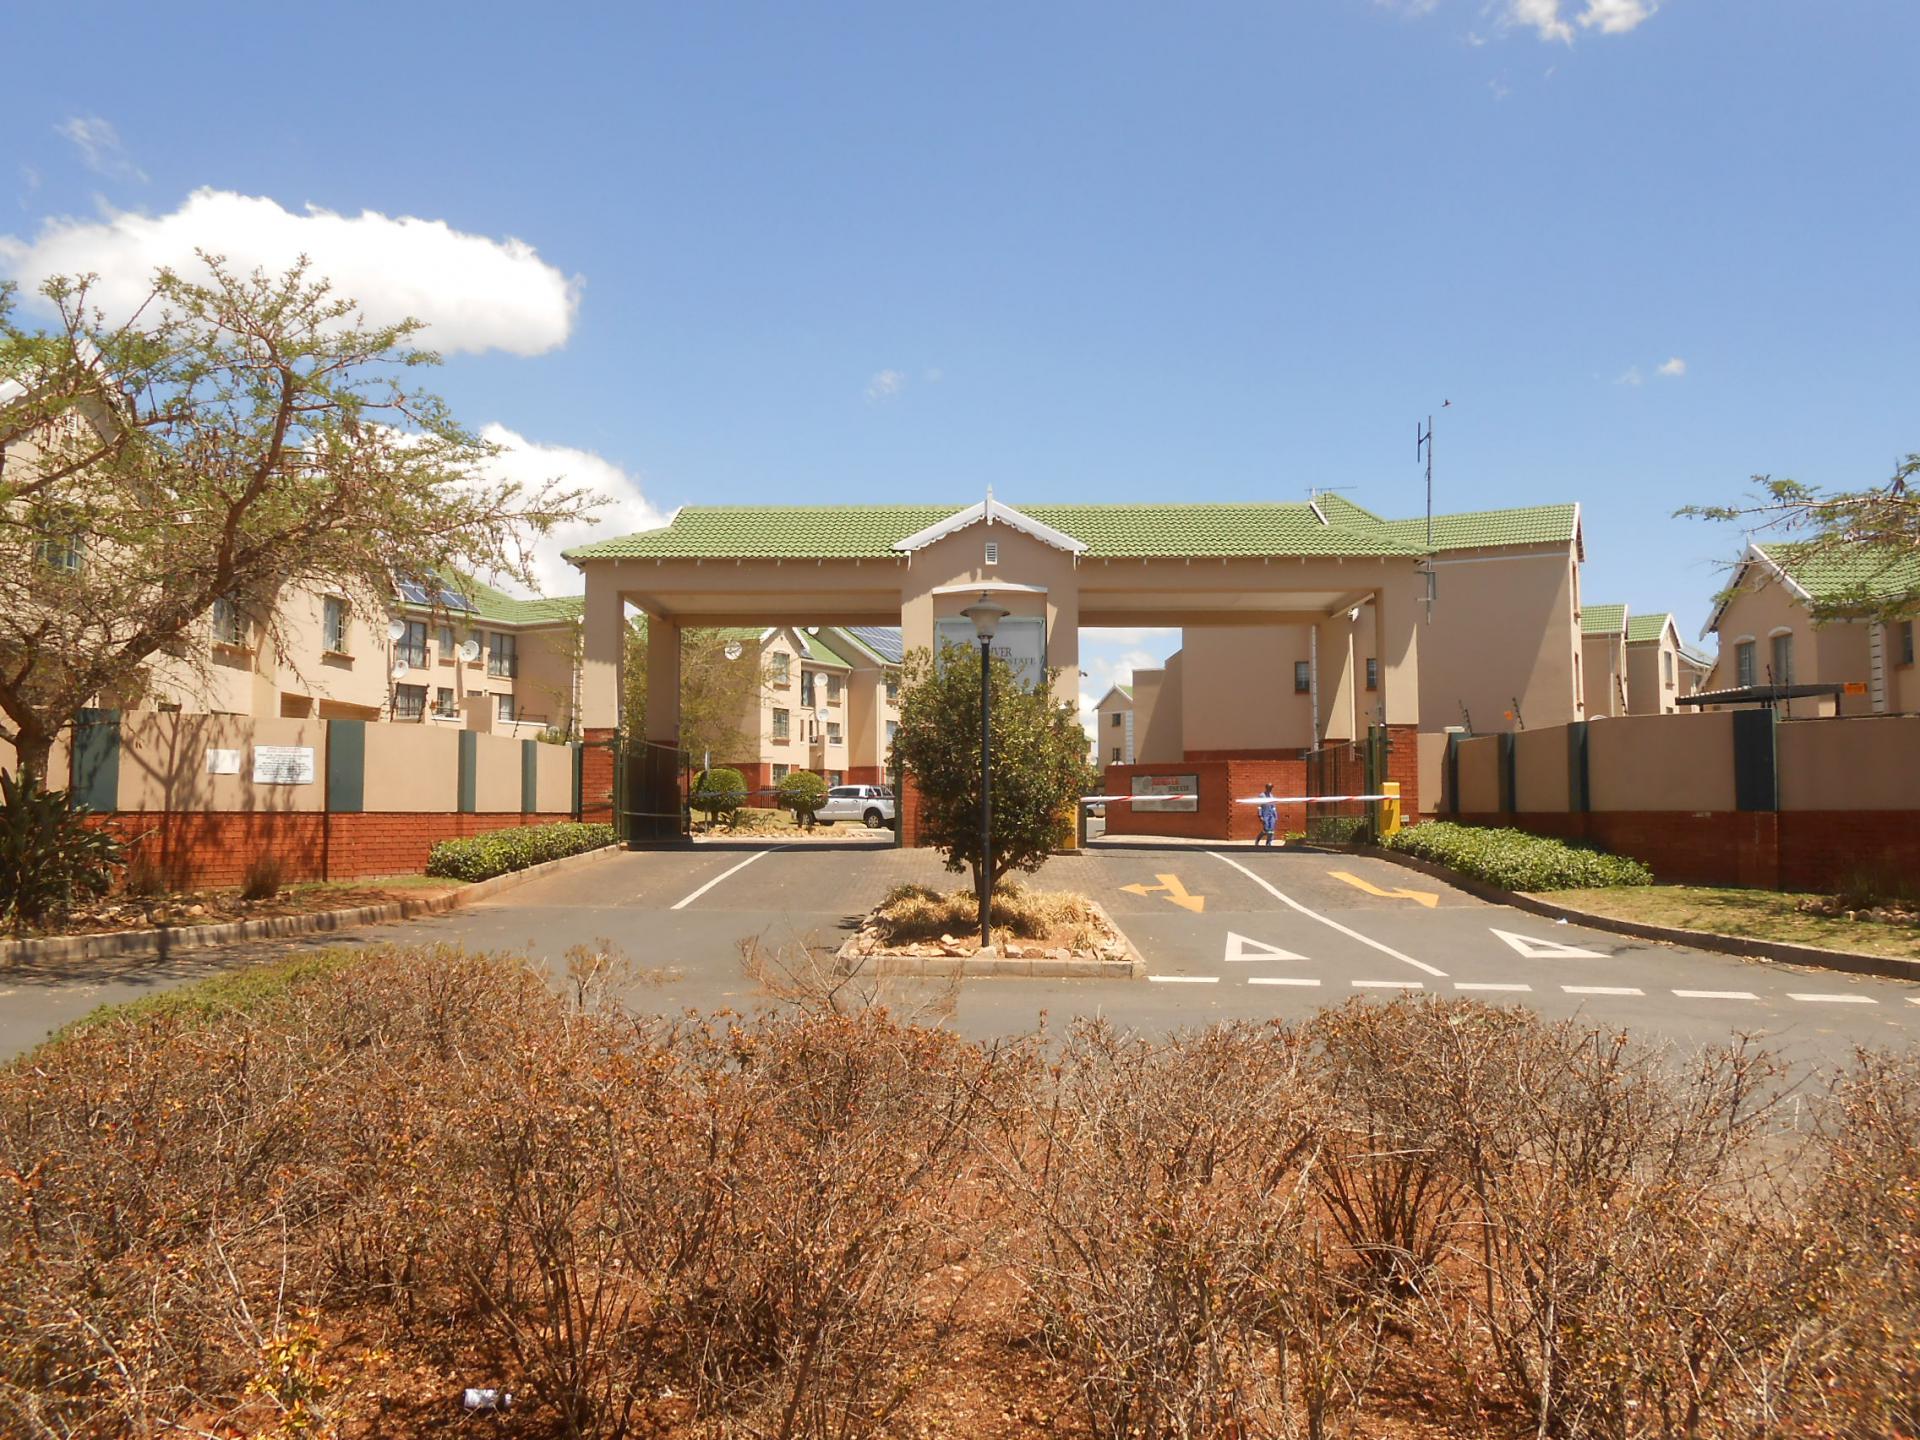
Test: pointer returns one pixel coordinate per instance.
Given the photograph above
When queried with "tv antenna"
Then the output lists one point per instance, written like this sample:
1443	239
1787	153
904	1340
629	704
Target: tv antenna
1423	449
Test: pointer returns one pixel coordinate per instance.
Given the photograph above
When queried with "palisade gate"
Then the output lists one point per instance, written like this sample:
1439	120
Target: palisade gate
1055	568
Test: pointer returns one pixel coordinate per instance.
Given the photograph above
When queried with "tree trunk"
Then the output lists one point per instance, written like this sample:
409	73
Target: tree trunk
34	751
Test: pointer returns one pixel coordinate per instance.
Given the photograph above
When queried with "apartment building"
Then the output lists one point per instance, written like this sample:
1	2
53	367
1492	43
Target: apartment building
1784	621
1113	727
460	654
829	703
1603	656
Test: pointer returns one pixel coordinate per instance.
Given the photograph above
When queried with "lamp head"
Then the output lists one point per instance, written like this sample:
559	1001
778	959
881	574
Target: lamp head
986	617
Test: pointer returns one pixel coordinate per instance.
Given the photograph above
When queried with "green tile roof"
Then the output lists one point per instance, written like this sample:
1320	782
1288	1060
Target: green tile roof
484	602
1603	619
818	652
1843	575
1473	529
1642	628
1108	531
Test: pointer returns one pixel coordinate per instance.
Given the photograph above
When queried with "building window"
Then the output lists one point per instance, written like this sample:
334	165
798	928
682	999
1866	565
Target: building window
780	772
806	689
1117	721
503	660
833	732
836	777
893	729
506	709
1373	673
446	642
229	626
333	624
60	552
1906	642
993	552
409	701
782	724
833	689
893	681
1783	659
413	643
782	669
1302	677
1116	754
1666	664
443	701
1743	663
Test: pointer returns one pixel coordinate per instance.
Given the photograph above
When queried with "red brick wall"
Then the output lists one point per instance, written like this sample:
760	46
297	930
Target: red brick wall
1403	764
1789	850
596	776
1245	777
866	775
907	810
216	848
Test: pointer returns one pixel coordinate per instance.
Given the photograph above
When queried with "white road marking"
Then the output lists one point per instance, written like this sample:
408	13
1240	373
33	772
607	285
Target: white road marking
1279	980
1911	999
1185	979
1240	950
1835	999
1331	924
1602	990
1487	985
1531	949
1716	995
1388	985
723	875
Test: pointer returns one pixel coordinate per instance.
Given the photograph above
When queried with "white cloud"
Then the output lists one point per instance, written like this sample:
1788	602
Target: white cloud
1616	17
1673	369
885	385
1631	376
1547	20
100	148
473	293
532	463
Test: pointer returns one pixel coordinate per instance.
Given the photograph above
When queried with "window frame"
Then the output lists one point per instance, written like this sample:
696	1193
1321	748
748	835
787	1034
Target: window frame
782	723
503	656
506	707
406	693
1373	673
1302	677
333	624
228	622
412	644
782	664
1743	659
444	701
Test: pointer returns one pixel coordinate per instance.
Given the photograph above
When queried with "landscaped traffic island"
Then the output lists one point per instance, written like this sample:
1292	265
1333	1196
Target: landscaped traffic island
918	930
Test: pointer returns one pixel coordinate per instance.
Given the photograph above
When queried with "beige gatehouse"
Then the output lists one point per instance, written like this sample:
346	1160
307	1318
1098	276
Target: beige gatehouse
1055	568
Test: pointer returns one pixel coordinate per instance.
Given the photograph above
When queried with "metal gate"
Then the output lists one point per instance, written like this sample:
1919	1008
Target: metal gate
651	781
1348	768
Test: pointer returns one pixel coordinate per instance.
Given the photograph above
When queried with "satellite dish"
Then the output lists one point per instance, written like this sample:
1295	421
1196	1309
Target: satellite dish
399	669
469	649
396	628
734	650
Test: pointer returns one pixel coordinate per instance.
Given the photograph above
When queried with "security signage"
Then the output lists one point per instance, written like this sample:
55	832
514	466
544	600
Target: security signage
1020	640
283	765
1164	794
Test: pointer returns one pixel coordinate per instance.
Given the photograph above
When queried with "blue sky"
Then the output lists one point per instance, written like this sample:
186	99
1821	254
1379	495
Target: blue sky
1077	251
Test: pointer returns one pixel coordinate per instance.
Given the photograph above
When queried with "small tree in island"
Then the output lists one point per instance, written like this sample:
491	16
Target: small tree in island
802	792
1040	765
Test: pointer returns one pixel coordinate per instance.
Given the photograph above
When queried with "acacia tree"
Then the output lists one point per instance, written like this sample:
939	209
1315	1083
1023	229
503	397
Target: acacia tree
718	695
1866	541
1039	760
236	436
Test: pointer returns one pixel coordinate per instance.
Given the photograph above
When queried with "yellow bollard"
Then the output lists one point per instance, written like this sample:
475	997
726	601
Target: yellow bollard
1390	808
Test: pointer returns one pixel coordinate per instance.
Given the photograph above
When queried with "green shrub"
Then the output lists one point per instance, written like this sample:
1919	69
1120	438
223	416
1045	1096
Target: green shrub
50	857
719	794
1515	860
481	857
801	792
1339	830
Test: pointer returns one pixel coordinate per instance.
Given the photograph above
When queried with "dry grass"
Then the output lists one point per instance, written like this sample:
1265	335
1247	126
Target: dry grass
914	913
1745	915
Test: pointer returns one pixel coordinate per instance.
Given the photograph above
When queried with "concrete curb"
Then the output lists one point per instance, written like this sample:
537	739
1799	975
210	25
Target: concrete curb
1888	967
978	967
171	939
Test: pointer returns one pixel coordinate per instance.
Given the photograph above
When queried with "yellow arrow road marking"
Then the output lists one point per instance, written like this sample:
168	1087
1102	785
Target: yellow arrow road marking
1424	897
1175	892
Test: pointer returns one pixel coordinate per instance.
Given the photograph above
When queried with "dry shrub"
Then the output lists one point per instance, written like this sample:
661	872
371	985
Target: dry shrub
265	876
1173	1255
913	912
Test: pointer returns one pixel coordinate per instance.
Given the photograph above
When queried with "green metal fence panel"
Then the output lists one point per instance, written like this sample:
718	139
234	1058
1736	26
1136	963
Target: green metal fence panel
346	766
96	759
529	776
469	771
1756	781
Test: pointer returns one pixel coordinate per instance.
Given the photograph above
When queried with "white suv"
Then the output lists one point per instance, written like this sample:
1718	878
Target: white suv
872	804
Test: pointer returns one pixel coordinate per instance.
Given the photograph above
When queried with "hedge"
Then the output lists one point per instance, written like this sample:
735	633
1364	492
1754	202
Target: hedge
1516	860
481	857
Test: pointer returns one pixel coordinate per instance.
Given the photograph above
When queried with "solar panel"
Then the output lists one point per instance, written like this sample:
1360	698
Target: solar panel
453	600
413	594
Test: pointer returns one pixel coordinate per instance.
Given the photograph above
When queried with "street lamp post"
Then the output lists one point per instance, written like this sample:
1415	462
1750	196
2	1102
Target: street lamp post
986	617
